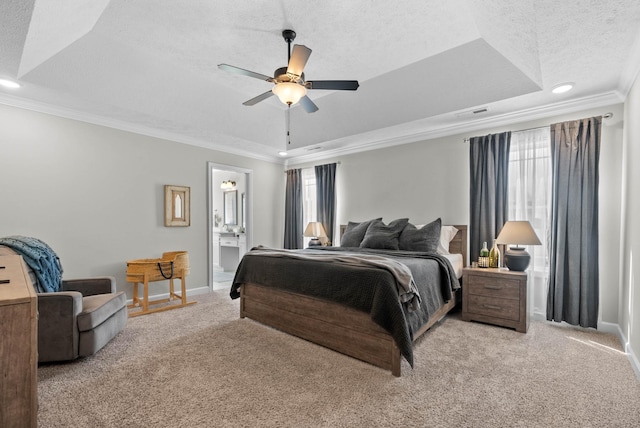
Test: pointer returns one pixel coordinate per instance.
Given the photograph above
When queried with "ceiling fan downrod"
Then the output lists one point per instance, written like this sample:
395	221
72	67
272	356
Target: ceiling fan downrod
289	36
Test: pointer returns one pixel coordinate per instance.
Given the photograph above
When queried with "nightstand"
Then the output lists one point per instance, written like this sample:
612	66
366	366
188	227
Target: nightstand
495	296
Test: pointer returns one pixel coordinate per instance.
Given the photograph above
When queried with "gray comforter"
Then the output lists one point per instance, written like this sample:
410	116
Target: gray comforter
368	288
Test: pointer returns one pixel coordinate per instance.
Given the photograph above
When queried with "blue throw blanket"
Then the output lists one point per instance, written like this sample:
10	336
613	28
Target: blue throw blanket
39	257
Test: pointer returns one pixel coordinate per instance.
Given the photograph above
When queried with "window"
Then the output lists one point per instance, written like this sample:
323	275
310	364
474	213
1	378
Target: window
309	211
530	199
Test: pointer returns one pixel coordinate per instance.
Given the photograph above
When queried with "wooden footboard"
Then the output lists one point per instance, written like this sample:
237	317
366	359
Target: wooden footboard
326	323
333	325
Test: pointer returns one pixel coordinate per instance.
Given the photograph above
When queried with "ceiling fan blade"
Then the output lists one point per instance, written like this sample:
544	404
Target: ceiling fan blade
257	99
238	70
340	85
308	105
298	60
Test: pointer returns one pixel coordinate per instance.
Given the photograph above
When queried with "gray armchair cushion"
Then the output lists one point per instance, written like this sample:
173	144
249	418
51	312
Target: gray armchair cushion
93	340
98	308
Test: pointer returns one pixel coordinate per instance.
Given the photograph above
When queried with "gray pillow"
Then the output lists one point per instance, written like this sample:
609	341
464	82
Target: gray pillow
424	239
384	237
354	233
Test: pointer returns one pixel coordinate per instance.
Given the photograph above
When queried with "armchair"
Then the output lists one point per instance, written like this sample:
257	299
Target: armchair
79	320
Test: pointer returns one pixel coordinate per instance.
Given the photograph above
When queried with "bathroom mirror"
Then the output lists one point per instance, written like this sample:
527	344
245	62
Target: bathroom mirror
231	207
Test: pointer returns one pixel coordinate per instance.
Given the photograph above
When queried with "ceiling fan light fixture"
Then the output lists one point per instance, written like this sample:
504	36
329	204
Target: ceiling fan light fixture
289	92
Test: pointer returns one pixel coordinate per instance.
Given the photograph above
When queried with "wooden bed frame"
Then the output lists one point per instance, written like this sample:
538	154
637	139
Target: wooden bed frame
333	325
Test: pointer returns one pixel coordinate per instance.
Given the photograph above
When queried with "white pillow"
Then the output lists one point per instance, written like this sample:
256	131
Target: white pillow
446	235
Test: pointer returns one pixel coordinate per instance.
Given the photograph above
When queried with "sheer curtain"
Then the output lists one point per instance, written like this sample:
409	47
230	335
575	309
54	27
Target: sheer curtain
529	199
309	209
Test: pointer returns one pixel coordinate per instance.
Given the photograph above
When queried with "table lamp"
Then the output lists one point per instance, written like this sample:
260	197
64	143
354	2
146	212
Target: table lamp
518	233
315	230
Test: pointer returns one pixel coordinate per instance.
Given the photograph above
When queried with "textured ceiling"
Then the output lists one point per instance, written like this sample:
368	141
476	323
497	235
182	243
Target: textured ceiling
151	67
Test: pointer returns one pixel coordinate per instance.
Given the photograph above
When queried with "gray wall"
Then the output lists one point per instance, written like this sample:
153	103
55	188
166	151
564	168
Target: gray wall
430	179
96	194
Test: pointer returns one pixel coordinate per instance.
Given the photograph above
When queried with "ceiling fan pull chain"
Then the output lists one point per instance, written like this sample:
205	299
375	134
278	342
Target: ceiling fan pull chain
289	125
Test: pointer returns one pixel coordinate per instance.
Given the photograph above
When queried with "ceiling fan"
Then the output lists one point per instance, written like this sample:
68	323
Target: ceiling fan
290	85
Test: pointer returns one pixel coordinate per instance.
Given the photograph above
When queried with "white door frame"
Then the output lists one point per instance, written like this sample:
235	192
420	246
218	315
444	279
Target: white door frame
212	166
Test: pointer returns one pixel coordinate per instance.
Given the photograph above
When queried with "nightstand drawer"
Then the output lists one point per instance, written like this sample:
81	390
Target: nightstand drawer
504	288
490	306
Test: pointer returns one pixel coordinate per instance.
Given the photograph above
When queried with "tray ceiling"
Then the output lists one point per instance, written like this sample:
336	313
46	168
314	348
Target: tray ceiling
151	67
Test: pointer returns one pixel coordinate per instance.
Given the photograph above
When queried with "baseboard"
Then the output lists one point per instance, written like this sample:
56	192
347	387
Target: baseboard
190	292
634	360
609	327
538	316
612	328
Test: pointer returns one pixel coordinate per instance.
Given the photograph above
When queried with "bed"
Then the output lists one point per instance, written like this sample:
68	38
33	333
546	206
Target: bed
330	317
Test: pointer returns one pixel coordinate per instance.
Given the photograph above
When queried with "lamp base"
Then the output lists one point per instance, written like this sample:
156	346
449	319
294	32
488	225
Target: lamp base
315	242
516	259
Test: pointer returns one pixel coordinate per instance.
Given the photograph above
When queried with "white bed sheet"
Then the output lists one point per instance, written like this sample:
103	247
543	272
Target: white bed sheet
456	262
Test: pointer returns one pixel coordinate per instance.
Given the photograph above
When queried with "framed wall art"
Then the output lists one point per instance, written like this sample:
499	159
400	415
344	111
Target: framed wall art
177	206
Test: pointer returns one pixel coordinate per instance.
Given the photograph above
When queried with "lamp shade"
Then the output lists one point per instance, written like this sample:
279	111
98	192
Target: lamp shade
289	92
518	233
315	230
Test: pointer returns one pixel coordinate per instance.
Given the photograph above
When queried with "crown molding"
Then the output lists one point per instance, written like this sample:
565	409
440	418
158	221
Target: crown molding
431	132
364	143
122	125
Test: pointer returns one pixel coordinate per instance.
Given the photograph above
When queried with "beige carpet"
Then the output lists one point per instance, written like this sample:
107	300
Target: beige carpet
201	366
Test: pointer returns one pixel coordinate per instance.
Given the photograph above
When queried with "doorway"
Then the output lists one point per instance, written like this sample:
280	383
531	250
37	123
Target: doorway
230	220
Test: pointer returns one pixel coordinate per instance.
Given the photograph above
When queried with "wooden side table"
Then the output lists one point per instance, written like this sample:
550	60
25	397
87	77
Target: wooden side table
495	296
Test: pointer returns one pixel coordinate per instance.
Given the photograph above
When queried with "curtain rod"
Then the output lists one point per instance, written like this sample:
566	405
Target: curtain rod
337	163
608	115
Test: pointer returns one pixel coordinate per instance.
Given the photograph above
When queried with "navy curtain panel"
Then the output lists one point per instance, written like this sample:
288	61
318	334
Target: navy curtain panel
293	210
489	188
326	197
573	245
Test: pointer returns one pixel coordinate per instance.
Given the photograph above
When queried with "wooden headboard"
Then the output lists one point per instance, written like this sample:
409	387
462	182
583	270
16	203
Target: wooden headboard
458	244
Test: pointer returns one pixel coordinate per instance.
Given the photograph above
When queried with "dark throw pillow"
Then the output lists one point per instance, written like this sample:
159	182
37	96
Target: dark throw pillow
354	233
384	237
424	239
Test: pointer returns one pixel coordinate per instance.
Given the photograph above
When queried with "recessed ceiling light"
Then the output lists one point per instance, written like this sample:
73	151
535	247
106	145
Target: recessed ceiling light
9	84
283	153
562	88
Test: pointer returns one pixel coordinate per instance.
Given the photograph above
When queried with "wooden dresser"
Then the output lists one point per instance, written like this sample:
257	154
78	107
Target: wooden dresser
495	296
18	346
